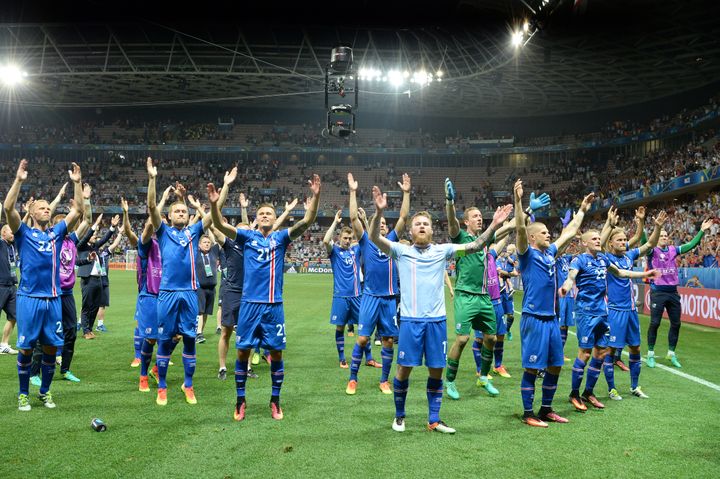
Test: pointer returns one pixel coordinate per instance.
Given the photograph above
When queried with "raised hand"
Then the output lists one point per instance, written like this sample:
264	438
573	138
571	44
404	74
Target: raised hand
706	224
180	191
640	213
660	219
338	216
379	198
612	216
230	176
22	173
540	202
75	174
405	186
27	207
62	190
501	214
244	202
213	193
587	202
449	190
96	225
518	190
151	169
361	214
352	183
565	220
124	204
291	205
194	203
306	204
87	191
115	220
166	193
314	184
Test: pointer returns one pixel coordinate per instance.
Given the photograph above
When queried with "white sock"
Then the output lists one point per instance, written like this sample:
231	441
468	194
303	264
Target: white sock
651	354
671	353
100	322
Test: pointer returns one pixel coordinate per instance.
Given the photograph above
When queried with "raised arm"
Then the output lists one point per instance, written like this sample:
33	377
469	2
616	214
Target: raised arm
640	223
200	211
164	198
652	242
127	229
501	214
286	212
114	222
228	180
687	247
453	224
357	225
311	212
244	203
217	220
405	186
607	228
572	228
113	246
219	236
78	208
13	217
499	245
27	207
153	210
328	238
56	201
82	243
381	242
520	226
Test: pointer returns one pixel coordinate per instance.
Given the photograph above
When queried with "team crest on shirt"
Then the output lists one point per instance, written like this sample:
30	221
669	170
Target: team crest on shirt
254	243
35	235
160	330
183	243
401	355
662	256
273	243
532	358
51	235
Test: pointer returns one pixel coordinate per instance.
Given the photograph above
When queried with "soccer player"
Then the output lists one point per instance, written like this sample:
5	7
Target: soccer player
261	320
508	271
474	309
663	291
423	330
565	304
589	271
345	261
104	255
622	313
177	305
495	283
8	288
378	306
39	311
541	345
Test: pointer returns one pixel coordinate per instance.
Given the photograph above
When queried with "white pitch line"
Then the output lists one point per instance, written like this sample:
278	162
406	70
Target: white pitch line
665	368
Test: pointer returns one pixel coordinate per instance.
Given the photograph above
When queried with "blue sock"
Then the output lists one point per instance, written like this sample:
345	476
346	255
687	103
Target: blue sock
58	354
146	351
434	397
162	358
549	386
609	370
189	360
355	362
563	336
47	369
618	354
340	343
23	367
498	352
635	364
137	342
387	358
578	370
400	389
240	377
593	374
477	355
527	390
277	373
368	351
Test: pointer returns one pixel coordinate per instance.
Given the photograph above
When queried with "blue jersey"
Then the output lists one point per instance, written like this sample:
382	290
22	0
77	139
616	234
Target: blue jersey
563	269
506	264
178	249
234	273
591	282
620	290
40	260
346	271
264	263
423	274
381	275
537	269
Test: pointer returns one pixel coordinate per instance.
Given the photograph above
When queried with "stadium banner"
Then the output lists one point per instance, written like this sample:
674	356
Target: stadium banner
316	269
699	306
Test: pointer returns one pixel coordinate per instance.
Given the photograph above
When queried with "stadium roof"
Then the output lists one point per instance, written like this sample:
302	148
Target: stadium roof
589	56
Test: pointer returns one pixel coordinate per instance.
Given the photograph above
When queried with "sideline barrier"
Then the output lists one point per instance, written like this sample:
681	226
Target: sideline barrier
699	306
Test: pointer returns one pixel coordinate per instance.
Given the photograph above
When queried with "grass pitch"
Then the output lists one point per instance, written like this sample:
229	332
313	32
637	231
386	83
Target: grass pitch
328	434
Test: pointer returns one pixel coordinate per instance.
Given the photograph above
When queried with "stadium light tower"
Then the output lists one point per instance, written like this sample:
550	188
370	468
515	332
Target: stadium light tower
340	79
12	75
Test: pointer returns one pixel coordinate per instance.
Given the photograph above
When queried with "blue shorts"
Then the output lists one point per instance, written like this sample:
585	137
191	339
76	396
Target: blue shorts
231	307
592	331
500	317
540	343
260	324
177	313
422	338
624	328
507	303
39	319
380	312
146	316
566	315
345	310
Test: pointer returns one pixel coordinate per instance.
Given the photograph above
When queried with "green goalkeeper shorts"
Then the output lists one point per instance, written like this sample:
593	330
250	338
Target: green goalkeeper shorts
474	311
